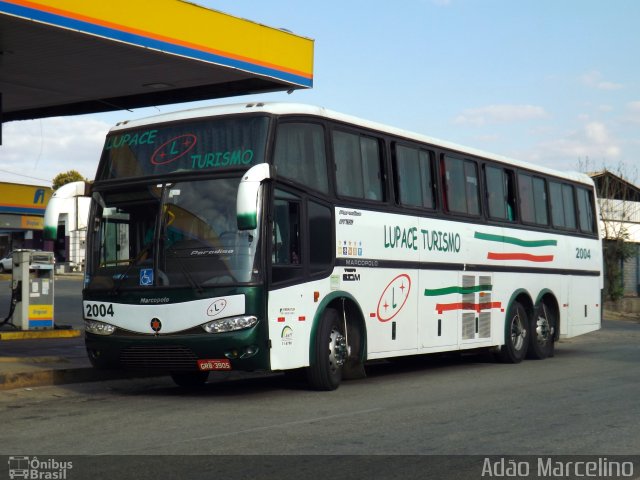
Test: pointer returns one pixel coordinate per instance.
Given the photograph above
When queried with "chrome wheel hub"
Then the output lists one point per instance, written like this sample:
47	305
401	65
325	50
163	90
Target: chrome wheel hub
337	350
518	332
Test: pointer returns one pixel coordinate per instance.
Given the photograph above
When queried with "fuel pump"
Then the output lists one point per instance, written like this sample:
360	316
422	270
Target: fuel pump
32	290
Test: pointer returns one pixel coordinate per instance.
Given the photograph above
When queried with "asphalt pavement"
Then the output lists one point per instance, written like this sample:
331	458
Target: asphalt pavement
48	357
27	362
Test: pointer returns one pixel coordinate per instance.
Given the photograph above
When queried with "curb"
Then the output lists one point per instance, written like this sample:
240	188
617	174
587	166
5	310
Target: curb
34	334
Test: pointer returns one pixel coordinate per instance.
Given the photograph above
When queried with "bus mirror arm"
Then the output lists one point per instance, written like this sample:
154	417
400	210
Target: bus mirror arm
247	199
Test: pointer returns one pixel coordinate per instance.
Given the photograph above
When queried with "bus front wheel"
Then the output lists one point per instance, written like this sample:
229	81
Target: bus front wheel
516	338
330	353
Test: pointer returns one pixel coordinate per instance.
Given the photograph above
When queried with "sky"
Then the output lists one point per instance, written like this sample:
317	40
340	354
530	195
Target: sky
552	82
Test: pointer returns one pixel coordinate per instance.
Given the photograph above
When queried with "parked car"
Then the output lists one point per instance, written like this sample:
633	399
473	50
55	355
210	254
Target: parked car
6	262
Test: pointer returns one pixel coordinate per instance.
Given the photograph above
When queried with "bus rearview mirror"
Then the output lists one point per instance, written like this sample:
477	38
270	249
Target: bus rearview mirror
247	199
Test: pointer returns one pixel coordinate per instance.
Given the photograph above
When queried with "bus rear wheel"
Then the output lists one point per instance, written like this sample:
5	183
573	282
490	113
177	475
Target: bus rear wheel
516	339
190	379
330	353
543	332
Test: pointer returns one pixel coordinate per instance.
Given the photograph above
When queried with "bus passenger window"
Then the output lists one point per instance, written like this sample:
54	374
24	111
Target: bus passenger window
533	199
414	177
586	210
500	193
358	166
512	211
540	199
371	174
461	186
569	206
562	205
300	154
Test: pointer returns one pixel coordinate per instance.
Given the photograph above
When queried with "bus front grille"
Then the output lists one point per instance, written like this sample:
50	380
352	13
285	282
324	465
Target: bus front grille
159	357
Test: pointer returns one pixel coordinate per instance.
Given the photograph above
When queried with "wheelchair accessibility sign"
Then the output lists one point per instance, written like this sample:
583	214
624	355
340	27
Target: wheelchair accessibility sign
146	277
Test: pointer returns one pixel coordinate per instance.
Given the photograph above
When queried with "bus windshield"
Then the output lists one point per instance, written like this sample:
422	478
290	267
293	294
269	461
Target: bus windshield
171	234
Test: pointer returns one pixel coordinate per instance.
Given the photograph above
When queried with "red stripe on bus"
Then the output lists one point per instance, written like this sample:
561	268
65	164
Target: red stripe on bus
478	307
527	257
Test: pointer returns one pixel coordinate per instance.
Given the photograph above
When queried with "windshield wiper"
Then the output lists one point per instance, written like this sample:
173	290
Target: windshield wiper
123	276
192	281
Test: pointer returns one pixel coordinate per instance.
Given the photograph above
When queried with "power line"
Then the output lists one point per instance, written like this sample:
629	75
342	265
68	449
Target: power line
25	176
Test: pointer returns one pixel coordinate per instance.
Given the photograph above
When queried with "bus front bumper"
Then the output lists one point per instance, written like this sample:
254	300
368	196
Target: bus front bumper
244	350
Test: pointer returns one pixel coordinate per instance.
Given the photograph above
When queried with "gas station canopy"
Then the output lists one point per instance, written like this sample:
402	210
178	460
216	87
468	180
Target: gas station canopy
69	57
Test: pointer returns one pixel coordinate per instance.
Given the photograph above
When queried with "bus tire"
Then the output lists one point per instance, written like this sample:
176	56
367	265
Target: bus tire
543	332
330	353
190	379
516	340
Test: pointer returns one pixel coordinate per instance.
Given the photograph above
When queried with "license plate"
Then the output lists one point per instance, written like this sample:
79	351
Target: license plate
206	365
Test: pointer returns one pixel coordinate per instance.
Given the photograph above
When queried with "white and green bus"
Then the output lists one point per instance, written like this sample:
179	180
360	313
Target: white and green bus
279	237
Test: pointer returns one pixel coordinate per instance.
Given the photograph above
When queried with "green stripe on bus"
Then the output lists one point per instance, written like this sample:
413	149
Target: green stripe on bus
455	289
515	241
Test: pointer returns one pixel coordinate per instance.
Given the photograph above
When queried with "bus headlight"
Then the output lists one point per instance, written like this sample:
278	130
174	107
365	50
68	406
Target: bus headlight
230	324
98	328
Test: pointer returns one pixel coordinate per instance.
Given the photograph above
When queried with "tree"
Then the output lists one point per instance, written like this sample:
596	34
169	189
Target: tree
67	177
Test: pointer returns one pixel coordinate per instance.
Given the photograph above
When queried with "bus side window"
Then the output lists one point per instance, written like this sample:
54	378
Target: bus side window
461	186
500	193
286	233
320	237
358	166
414	177
512	211
533	199
300	154
586	210
288	259
562	205
569	206
286	243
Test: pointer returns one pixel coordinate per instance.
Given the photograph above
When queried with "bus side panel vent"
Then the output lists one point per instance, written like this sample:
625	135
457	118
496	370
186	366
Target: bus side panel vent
468	298
468	326
484	325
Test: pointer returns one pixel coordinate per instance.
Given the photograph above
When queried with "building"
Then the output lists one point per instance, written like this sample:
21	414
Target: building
65	224
619	202
22	209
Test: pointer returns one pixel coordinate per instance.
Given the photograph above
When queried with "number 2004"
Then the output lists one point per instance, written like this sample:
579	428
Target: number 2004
583	253
101	310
